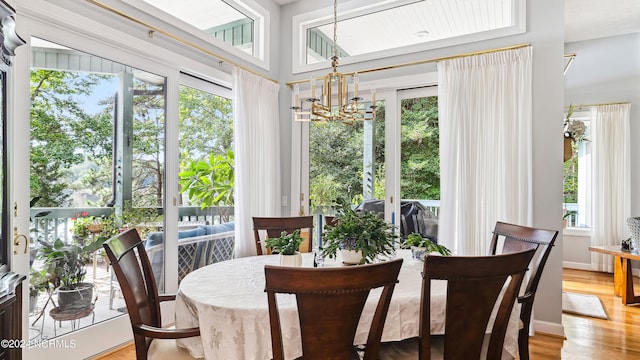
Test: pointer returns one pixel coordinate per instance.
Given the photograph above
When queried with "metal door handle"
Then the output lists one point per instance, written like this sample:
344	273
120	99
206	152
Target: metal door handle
16	241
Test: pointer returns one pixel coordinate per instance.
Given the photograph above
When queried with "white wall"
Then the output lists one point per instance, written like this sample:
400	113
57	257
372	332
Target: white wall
605	70
545	32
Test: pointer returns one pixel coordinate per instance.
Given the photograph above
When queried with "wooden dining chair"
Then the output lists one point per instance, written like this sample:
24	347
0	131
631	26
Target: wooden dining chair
131	265
274	226
476	285
509	238
330	302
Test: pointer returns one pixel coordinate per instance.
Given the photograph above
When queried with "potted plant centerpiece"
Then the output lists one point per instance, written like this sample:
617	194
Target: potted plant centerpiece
287	246
361	236
421	247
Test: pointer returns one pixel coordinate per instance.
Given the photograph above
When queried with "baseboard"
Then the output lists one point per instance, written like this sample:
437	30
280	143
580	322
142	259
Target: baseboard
575	265
111	351
548	328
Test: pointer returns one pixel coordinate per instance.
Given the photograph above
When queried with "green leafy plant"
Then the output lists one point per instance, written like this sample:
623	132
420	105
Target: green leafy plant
65	264
286	244
209	183
364	231
38	282
417	240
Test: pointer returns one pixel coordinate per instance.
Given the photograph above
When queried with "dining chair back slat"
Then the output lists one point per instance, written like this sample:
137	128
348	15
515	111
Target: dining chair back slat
330	302
274	226
509	238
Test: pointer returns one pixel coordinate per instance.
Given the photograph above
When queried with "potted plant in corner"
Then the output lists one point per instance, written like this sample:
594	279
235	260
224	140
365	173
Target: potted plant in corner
65	264
361	236
37	284
287	246
421	247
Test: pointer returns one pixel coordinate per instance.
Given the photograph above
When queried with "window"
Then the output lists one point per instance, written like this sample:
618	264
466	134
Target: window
346	161
398	27
577	178
206	150
97	164
239	27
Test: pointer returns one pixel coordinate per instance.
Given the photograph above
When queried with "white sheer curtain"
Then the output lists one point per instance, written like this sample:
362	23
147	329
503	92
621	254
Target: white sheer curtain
610	179
257	154
484	105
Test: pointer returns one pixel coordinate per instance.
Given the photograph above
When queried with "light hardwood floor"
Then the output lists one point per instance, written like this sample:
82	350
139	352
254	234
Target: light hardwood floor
617	338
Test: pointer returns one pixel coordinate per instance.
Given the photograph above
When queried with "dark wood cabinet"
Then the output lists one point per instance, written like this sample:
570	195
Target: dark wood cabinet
11	315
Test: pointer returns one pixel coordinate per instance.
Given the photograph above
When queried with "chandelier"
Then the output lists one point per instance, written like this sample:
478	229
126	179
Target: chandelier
338	99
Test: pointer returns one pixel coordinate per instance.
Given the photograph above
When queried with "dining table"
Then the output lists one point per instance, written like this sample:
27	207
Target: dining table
226	300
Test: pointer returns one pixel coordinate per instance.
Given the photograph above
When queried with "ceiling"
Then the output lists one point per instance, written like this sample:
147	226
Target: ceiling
590	19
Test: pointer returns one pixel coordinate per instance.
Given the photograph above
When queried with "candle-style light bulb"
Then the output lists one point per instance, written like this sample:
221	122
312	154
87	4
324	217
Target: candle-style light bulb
312	81
296	95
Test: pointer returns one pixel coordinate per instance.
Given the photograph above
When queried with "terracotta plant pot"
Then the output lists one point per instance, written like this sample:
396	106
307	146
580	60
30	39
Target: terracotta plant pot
568	149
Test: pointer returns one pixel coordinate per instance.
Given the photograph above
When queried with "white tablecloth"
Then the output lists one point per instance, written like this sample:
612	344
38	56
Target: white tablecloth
227	301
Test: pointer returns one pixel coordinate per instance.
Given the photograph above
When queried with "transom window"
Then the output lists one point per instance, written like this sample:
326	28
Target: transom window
239	27
399	27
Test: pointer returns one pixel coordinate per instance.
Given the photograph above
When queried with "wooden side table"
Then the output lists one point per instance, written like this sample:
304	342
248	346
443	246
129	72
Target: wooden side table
622	272
72	315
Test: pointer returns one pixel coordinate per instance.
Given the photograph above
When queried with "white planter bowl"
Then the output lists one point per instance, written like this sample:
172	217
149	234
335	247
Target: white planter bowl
351	257
294	260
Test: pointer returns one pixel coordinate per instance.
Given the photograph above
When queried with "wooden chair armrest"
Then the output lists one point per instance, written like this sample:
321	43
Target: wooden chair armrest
160	333
167	297
526	298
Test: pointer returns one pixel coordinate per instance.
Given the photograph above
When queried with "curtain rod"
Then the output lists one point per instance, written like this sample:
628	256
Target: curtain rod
420	62
154	29
603	104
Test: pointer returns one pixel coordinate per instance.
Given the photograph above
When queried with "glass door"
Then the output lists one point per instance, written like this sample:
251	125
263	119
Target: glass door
389	165
96	167
419	159
347	161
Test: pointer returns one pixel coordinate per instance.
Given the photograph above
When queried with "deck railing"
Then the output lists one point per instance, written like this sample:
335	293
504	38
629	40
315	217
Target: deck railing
55	223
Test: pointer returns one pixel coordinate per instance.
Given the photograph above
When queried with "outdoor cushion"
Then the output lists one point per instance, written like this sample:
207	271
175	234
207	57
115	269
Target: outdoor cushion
218	228
157	237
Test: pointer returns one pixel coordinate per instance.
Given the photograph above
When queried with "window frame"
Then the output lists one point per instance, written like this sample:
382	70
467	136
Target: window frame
4	228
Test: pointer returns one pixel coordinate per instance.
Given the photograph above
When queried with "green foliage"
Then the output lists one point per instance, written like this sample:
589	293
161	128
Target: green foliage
209	183
38	282
364	231
65	264
148	145
61	131
337	150
206	124
420	144
570	174
417	240
286	244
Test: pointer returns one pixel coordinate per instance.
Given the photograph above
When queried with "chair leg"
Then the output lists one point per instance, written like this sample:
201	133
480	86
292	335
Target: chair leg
523	343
